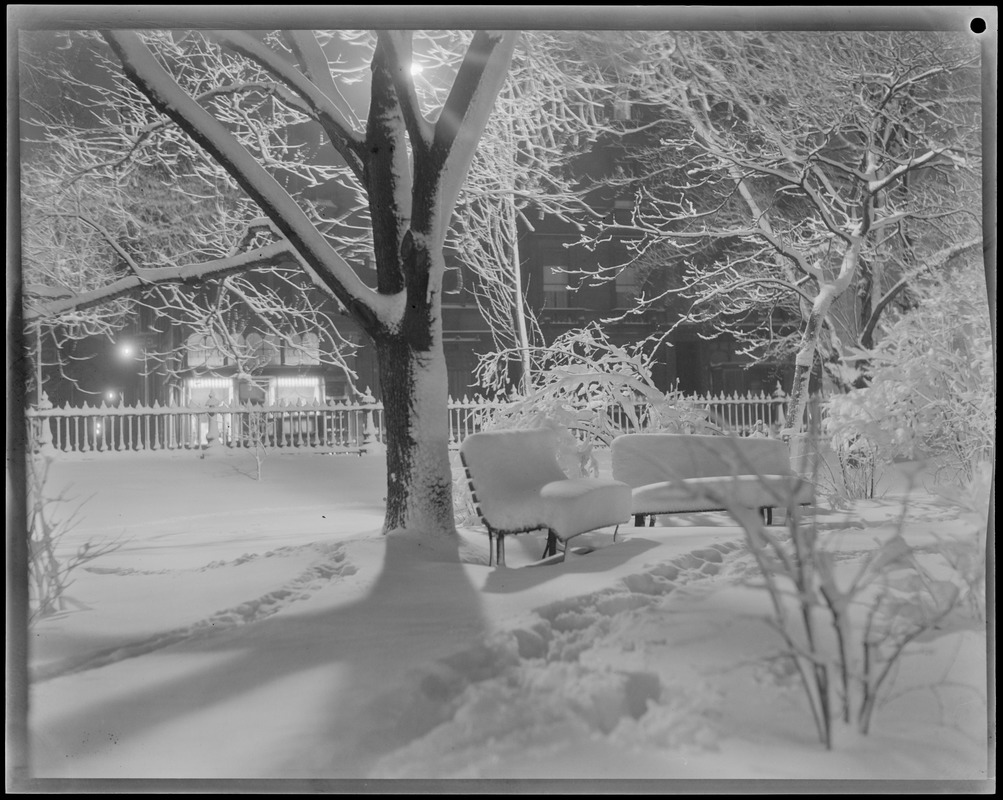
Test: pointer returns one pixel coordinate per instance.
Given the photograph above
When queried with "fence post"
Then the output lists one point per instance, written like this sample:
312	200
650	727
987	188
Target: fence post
371	445
212	434
44	441
781	397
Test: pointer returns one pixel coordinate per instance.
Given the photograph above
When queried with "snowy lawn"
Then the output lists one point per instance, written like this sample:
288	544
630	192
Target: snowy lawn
248	629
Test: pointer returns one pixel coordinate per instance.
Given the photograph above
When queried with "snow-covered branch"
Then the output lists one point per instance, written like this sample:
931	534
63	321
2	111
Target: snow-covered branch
465	113
931	264
317	69
269	255
327	265
331	117
397	45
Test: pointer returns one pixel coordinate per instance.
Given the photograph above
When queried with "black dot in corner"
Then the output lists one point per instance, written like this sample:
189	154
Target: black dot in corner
978	25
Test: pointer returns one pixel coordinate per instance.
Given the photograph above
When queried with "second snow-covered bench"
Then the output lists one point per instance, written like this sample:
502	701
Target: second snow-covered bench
518	486
678	473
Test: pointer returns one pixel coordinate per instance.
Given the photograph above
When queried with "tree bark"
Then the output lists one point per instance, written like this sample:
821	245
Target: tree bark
804	362
412	368
522	336
419	476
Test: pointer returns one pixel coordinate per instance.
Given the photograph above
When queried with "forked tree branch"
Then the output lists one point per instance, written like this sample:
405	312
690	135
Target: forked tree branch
324	265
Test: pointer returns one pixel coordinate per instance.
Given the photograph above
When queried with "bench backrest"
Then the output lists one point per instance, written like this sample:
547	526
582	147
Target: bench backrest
640	459
506	465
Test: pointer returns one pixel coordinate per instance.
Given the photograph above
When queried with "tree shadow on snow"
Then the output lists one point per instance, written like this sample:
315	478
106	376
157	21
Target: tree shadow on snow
249	680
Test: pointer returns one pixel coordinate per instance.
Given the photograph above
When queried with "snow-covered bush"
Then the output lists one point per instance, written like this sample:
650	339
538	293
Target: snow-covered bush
256	436
931	385
50	519
597	390
845	626
967	557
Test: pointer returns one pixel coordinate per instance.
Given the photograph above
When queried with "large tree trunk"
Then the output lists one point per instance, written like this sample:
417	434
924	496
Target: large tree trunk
805	360
828	293
419	476
413	379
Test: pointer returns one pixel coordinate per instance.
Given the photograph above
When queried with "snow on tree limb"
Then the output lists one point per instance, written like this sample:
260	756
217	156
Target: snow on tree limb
875	186
317	69
388	176
478	81
331	117
936	261
765	281
269	255
328	266
397	44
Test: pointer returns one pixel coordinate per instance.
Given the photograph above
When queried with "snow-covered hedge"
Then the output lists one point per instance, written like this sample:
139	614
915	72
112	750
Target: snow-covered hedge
931	384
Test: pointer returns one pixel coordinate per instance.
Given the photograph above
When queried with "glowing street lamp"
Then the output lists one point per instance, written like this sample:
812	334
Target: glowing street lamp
127	351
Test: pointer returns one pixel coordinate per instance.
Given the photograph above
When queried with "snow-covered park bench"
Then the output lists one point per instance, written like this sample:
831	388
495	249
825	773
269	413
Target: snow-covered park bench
680	473
518	486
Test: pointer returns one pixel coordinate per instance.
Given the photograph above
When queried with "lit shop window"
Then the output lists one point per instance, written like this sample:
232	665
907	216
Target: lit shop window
197	390
291	390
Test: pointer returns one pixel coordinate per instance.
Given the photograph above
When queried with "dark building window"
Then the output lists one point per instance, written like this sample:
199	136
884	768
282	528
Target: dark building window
628	286
689	367
555	287
461	366
452	283
554	258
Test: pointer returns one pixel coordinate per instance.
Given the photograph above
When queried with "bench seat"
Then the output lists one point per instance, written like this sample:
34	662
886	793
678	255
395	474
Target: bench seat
680	473
518	486
696	494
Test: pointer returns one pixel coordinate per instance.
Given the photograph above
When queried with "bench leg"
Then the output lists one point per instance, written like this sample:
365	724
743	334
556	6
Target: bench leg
551	548
651	520
500	555
767	514
639	520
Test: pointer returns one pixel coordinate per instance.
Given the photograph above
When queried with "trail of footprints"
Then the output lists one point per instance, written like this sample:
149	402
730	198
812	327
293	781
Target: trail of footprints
549	669
331	562
521	671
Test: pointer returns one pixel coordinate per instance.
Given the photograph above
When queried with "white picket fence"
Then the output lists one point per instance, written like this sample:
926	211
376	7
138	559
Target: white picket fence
332	427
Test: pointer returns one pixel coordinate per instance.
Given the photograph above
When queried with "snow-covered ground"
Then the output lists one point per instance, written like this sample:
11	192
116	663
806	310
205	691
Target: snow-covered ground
265	629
